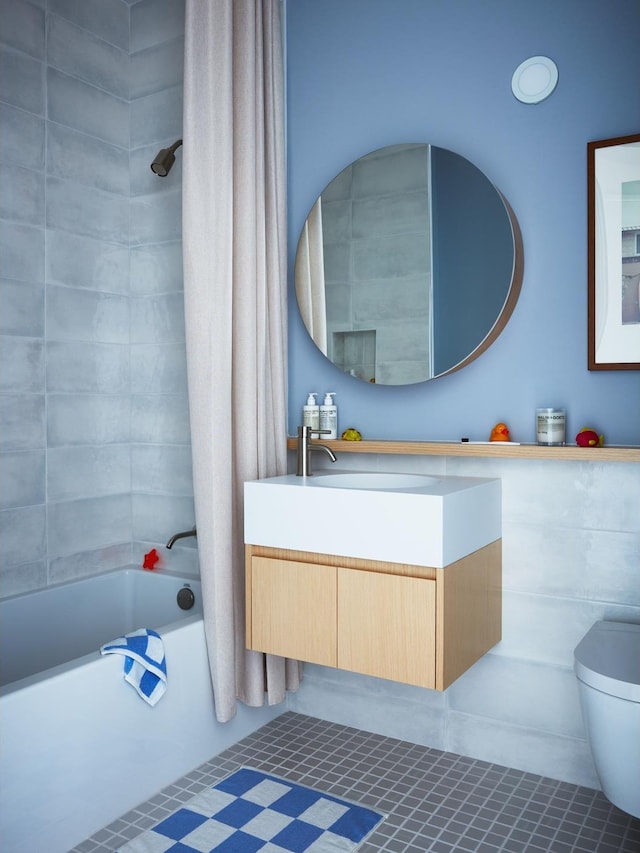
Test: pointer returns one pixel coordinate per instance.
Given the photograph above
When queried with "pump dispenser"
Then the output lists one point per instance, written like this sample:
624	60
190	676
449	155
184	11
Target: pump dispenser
329	416
311	412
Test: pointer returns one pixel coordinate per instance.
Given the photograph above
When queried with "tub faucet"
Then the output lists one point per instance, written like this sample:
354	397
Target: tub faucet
182	535
305	447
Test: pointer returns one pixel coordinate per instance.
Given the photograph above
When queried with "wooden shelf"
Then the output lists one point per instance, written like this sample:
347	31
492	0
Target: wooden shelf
496	449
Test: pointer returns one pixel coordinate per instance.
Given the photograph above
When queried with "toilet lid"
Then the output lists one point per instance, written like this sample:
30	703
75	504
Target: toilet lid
608	658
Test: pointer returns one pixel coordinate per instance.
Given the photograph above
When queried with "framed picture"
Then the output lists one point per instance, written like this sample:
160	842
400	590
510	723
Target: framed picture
613	199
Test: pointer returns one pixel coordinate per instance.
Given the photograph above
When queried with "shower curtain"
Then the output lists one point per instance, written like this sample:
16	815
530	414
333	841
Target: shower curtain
235	311
309	276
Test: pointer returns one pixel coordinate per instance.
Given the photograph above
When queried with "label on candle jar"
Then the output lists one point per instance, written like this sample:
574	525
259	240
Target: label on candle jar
550	426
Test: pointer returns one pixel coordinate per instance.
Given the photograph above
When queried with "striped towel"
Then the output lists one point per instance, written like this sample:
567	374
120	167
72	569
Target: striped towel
145	667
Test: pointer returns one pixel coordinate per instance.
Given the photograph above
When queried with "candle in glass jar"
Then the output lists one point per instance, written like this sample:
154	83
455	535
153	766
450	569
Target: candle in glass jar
550	426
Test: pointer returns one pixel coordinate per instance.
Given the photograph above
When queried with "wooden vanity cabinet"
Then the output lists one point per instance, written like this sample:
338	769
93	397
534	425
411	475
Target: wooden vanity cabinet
415	624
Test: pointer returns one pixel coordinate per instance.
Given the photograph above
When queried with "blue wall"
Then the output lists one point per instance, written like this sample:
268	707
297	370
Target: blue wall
363	74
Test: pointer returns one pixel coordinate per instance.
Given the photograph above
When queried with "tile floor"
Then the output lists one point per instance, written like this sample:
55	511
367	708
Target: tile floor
434	801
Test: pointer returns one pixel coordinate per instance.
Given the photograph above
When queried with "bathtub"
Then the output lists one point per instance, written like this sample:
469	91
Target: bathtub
78	746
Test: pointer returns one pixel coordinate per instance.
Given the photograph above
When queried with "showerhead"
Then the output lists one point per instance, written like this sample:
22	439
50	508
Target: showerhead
164	160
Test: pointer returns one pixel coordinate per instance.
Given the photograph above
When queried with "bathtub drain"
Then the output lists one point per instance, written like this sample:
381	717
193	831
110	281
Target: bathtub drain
185	598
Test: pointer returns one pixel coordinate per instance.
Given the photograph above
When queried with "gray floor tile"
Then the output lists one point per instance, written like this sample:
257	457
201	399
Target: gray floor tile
435	802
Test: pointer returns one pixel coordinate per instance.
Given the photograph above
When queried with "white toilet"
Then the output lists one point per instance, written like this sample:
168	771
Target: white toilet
607	664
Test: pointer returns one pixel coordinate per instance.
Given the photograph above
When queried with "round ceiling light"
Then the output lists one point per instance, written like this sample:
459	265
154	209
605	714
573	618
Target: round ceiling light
534	79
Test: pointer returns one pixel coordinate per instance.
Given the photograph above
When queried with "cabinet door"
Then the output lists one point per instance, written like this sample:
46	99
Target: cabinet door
386	626
293	609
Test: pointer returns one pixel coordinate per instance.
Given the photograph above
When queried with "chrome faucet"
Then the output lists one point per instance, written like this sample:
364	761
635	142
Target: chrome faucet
182	535
305	447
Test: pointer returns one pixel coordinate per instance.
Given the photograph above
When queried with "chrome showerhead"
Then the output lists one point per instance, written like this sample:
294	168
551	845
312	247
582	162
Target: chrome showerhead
164	160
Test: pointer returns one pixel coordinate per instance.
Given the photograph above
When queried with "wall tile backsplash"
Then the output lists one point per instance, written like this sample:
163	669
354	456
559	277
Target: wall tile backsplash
571	551
94	417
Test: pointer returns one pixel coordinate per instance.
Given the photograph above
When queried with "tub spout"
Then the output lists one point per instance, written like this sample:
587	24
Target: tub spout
182	535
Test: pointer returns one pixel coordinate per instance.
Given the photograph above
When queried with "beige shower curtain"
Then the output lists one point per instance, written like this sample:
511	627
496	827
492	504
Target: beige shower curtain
235	311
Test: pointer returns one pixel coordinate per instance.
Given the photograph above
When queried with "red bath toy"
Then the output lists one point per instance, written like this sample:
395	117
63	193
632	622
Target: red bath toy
589	438
151	559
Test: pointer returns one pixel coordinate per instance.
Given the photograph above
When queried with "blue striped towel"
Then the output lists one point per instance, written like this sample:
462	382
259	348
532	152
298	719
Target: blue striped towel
145	666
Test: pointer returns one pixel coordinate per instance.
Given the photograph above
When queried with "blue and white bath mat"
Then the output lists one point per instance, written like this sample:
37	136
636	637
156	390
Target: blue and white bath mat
252	811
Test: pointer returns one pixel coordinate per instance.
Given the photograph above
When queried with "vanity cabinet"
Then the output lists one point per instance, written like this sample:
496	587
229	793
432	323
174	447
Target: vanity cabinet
414	624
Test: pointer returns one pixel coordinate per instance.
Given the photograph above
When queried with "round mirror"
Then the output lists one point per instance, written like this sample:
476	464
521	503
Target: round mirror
408	266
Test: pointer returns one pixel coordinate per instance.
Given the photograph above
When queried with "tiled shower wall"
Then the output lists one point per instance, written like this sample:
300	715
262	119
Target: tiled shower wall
376	260
94	433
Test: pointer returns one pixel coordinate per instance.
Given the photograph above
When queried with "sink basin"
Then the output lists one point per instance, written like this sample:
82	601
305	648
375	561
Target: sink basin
374	515
377	480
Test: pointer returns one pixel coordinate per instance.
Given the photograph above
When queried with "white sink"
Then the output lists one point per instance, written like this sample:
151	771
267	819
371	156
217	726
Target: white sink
377	480
393	517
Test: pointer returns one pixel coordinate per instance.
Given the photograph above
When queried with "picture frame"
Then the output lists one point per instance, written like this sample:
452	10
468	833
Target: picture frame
613	235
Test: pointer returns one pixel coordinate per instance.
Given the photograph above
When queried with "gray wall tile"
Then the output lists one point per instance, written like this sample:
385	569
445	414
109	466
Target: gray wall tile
84	564
81	472
22	535
373	704
23	479
157	319
160	418
390	258
159	369
85	315
156	219
509	690
157	517
81	54
22	137
559	561
84	262
22	421
157	68
23	27
404	169
21	252
23	577
87	108
87	367
524	749
547	629
84	525
87	419
157	117
155	21
22	197
21	364
22	80
96	214
156	268
108	19
78	157
85	227
21	308
162	469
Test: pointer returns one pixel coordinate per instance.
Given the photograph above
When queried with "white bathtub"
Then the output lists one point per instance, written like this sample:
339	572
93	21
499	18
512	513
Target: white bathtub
78	746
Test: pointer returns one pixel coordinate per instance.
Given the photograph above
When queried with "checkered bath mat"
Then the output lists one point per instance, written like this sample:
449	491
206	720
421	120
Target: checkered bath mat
252	811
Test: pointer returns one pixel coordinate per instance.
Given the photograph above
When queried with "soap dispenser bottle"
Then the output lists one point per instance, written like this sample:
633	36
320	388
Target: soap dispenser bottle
329	416
311	412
